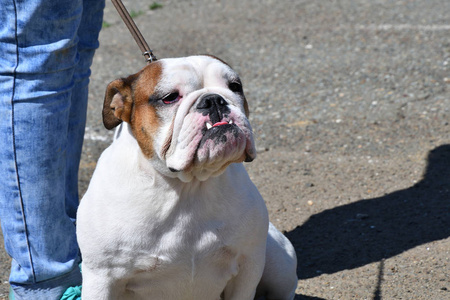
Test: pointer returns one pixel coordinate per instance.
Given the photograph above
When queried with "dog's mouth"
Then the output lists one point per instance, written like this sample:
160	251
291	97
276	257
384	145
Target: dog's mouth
219	132
220	142
218	139
205	145
210	126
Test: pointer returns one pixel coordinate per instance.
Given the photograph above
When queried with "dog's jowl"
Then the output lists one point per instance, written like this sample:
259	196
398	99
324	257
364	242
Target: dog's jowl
170	212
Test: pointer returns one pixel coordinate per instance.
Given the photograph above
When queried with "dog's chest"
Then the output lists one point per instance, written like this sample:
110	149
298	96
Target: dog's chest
171	241
189	257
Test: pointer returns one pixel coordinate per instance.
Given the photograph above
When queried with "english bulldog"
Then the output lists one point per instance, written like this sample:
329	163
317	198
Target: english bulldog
170	212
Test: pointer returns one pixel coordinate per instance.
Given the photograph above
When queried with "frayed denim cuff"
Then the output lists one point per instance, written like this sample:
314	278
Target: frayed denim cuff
51	289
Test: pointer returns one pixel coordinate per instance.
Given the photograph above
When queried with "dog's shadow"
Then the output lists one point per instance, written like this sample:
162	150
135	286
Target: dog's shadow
367	231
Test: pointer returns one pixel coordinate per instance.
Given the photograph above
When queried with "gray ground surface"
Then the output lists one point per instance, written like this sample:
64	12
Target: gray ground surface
350	105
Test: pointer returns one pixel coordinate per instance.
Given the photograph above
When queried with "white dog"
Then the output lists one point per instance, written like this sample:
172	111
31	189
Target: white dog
170	212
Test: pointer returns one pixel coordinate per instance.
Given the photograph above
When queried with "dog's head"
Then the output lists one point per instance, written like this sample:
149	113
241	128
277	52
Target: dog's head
188	115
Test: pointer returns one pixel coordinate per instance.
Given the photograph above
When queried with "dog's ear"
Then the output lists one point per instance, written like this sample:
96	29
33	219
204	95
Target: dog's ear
118	102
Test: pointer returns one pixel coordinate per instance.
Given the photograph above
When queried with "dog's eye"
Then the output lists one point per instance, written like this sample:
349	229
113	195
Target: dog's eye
171	98
235	87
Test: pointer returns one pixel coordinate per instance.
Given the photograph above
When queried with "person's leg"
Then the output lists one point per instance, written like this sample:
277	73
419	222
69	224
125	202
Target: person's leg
39	45
91	23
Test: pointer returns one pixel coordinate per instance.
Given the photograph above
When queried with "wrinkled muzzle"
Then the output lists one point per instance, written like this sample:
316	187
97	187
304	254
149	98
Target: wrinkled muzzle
207	135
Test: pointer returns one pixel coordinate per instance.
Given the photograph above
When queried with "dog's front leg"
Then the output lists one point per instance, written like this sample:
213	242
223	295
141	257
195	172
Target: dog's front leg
97	286
243	285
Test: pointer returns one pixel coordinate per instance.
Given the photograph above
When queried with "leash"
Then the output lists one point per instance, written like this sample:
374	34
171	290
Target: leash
134	30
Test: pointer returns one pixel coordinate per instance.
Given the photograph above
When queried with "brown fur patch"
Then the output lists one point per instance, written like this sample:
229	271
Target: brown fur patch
219	59
144	119
117	103
246	110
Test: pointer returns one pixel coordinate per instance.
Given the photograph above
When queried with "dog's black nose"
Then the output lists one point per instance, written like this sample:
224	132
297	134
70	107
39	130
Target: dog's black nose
213	105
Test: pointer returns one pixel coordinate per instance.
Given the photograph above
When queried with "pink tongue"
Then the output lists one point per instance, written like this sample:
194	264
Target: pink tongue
220	123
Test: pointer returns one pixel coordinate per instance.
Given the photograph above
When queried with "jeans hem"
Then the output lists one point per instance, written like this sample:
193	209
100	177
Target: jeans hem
51	289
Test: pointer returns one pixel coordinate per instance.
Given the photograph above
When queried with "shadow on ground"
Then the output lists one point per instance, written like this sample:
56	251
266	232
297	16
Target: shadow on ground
301	297
367	231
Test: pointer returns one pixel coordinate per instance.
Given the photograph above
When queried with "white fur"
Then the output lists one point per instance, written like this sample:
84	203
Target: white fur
145	235
194	77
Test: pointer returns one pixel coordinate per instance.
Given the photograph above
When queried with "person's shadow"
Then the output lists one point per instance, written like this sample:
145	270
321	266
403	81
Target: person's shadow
367	231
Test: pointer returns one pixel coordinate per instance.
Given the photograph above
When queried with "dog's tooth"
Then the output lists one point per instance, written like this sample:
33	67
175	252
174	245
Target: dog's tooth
208	126
231	122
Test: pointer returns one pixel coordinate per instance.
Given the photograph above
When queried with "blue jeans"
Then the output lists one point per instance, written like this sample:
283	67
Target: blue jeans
46	50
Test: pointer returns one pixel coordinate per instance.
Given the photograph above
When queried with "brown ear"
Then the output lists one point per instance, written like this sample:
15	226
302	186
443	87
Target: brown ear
117	104
246	109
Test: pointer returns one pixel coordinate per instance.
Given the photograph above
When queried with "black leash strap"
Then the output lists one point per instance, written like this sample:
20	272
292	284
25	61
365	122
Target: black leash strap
134	30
